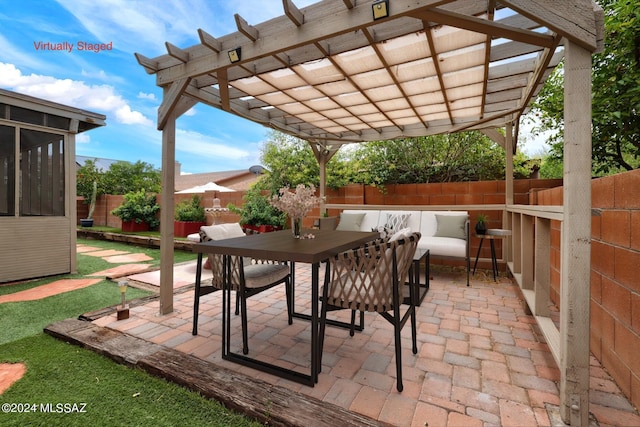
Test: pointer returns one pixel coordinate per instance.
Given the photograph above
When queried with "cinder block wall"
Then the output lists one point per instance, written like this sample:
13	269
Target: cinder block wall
615	275
455	193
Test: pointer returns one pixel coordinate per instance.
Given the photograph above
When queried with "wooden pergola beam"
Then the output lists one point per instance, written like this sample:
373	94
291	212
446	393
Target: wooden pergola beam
245	28
169	101
494	29
209	41
293	13
149	65
311	32
555	15
176	52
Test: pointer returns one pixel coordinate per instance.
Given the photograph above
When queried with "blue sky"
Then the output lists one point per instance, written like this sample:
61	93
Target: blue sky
111	82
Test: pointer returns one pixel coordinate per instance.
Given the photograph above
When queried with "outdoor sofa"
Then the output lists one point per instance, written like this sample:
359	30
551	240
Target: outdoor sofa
444	233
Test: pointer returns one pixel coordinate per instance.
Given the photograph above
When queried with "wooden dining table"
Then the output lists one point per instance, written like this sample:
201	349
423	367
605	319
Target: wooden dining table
282	246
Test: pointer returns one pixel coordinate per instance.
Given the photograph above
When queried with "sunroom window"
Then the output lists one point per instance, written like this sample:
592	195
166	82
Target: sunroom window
41	173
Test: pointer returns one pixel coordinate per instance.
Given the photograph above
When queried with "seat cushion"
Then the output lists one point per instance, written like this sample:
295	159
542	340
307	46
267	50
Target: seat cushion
221	231
444	246
260	275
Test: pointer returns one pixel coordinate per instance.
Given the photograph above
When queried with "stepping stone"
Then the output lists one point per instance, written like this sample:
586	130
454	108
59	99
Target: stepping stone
82	249
128	258
106	253
10	373
121	270
44	291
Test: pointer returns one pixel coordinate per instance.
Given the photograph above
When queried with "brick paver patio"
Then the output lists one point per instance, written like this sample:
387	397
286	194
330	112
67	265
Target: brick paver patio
481	358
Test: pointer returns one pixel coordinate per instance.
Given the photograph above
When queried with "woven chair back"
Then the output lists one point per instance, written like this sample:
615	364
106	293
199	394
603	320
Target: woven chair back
366	278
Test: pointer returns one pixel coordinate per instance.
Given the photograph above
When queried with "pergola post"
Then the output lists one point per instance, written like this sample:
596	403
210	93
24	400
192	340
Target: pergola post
166	214
322	163
575	240
507	220
508	158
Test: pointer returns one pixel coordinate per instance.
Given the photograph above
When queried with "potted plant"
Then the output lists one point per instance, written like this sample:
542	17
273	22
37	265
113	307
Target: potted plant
88	221
189	217
481	226
138	211
257	214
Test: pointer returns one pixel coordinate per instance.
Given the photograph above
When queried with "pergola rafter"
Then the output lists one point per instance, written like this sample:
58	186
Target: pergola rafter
331	74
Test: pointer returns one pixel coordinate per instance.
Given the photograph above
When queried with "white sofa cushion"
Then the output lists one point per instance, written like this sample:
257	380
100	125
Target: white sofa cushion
368	222
429	223
426	223
444	246
350	221
451	226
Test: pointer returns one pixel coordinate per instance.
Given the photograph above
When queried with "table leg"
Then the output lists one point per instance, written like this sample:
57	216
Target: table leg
292	274
494	262
315	348
263	366
475	264
196	301
226	308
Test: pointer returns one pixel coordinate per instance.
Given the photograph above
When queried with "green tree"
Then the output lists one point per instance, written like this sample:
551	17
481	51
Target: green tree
468	156
615	98
86	175
290	161
124	177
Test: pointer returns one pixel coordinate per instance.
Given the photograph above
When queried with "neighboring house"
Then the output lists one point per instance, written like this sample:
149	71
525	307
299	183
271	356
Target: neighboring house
239	180
101	164
38	185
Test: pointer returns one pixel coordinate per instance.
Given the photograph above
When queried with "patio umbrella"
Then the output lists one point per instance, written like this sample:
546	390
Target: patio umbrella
209	186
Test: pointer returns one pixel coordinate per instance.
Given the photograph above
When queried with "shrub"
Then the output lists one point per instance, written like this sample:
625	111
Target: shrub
190	210
256	210
138	206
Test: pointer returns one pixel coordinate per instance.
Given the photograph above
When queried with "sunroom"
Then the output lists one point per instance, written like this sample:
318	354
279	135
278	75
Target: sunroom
38	185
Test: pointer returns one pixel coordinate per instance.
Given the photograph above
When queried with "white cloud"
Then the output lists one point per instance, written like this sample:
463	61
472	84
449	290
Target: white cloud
206	146
147	96
191	112
143	26
125	115
11	53
100	75
100	98
83	138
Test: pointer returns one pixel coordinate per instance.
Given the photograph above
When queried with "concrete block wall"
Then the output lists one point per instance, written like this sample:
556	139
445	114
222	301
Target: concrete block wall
454	193
615	275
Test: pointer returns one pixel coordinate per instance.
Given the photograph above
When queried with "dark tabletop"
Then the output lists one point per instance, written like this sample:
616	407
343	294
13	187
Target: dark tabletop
282	246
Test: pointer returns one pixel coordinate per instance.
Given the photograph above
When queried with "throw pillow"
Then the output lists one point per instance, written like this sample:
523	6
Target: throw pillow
451	226
401	234
350	221
397	221
384	231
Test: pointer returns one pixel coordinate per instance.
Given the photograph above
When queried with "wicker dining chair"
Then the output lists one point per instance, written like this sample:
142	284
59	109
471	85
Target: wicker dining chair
248	277
370	278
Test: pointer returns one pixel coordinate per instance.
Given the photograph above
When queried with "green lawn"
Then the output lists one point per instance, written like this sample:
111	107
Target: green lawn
59	373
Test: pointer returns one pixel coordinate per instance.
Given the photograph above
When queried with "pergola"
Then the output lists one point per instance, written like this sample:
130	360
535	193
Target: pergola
340	72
